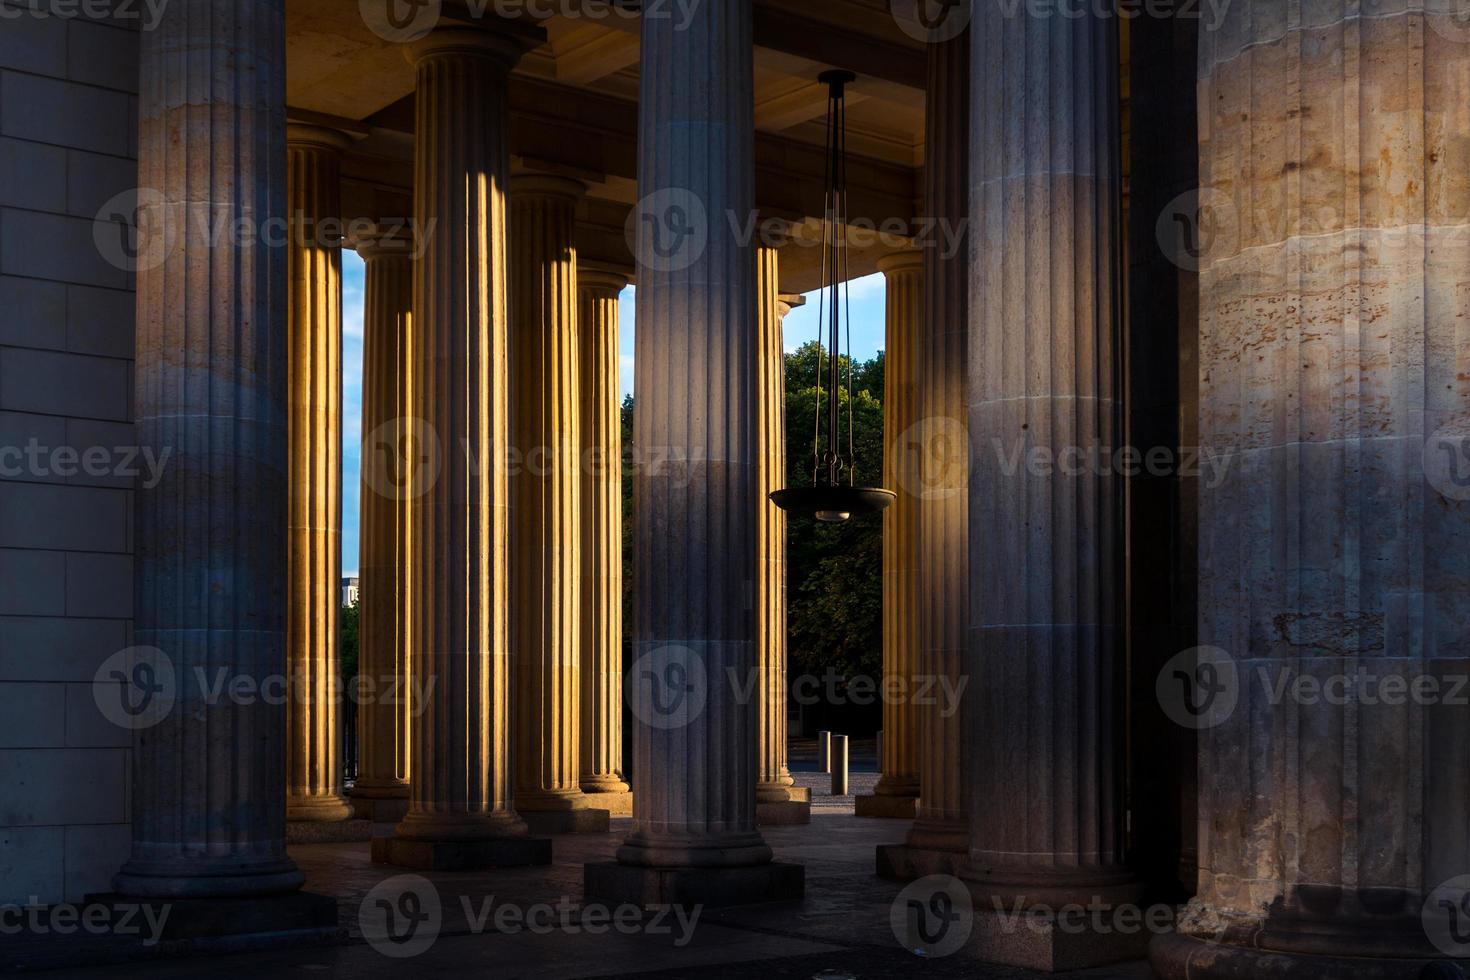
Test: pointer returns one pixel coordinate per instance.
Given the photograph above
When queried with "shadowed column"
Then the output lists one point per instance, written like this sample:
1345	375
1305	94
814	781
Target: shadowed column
937	840
897	792
602	539
388	456
208	797
545	499
461	812
1334	738
1045	650
694	836
314	427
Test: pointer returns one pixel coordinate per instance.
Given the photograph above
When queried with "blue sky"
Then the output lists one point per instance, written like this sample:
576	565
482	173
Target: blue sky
801	326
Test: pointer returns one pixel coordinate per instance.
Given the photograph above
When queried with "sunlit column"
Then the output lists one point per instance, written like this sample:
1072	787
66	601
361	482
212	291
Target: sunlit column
461	812
314	424
546	499
602	538
384	709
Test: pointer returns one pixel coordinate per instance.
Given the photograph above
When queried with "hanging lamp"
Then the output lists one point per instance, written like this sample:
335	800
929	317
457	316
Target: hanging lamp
834	495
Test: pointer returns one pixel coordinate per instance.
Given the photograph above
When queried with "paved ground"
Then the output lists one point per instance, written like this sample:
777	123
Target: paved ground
842	929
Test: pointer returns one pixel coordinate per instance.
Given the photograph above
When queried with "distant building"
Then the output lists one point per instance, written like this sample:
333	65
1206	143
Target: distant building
349	591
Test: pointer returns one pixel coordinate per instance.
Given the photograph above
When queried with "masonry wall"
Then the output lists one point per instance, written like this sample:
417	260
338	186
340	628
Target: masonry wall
68	143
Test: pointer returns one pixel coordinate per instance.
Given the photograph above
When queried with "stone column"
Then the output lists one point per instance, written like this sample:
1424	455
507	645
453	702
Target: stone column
897	792
1335	384
545	498
314	432
602	539
208	799
388	453
1045	653
778	800
938	839
695	836
460	810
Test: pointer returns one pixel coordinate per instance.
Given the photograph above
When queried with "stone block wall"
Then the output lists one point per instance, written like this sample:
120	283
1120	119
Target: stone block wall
68	144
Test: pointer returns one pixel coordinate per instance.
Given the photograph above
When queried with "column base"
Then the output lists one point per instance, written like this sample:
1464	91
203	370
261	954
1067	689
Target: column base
786	813
1176	957
584	820
905	862
318	809
378	809
599	785
461	855
328	831
617	804
887	807
713	887
1049	944
207	880
184	927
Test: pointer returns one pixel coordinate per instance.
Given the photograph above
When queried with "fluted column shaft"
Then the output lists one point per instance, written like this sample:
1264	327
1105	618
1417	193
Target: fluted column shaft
770	529
902	394
944	556
1046	541
208	797
1335	380
314	426
695	773
602	531
385	712
460	764
545	493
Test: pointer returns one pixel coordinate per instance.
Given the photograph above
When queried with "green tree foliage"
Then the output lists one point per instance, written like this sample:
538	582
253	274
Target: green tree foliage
834	571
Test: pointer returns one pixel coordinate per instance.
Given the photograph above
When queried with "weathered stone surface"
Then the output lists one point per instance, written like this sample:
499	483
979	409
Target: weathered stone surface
1333	373
773	881
1045	764
209	813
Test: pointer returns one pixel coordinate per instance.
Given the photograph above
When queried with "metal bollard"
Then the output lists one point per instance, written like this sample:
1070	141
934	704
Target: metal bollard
839	765
824	751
